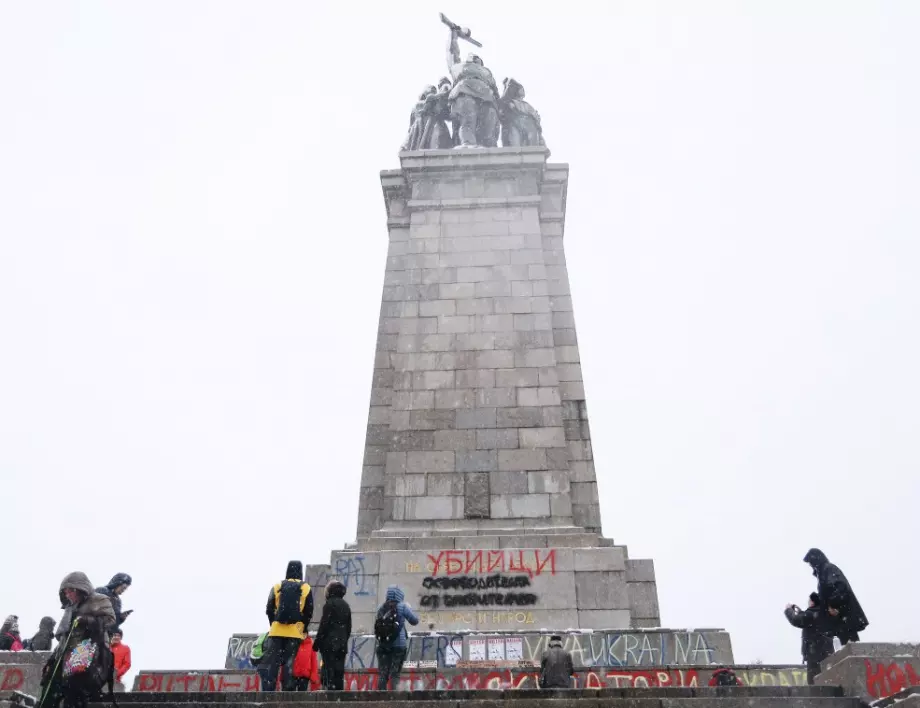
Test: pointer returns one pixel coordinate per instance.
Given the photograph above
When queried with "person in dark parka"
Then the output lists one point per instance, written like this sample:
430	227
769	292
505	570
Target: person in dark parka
817	634
556	667
332	636
837	598
116	586
44	638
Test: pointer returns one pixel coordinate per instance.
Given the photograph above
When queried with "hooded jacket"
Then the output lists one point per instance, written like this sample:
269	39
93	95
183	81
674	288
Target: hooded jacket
817	632
44	637
404	614
93	606
292	592
121	654
556	667
9	635
306	664
835	592
335	625
109	592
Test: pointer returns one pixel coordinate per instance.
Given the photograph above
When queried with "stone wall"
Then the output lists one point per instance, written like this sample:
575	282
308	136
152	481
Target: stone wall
473	678
590	650
535	582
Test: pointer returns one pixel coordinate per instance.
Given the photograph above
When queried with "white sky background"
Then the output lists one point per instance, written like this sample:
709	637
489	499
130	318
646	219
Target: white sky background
192	247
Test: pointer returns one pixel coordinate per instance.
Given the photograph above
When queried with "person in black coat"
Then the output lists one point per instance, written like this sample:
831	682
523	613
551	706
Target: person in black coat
817	634
117	585
332	636
837	598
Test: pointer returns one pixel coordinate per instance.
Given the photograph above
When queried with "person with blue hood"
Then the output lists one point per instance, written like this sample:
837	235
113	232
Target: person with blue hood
836	597
392	637
114	590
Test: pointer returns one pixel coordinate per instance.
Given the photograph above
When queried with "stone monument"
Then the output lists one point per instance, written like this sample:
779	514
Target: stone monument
478	491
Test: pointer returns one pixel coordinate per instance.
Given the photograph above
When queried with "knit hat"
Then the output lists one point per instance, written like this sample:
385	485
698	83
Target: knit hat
815	598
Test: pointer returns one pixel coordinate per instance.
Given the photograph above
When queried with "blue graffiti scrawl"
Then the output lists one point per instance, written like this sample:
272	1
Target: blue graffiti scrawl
350	570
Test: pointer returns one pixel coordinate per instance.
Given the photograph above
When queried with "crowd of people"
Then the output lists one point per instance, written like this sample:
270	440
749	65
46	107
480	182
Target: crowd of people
287	654
91	653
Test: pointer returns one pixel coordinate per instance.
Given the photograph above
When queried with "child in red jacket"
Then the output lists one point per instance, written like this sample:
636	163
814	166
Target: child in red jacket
306	667
122	654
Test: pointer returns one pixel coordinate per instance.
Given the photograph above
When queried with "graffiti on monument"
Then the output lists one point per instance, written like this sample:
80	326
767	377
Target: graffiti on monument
531	562
471	679
348	569
477	599
11	678
886	679
600	649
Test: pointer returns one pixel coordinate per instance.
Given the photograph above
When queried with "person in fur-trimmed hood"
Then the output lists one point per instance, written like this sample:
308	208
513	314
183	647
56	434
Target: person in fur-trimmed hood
81	602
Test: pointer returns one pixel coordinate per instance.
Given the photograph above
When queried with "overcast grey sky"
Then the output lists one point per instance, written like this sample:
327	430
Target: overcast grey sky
192	245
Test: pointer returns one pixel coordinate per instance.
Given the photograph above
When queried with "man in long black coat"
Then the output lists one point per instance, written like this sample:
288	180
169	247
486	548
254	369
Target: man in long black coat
332	636
837	597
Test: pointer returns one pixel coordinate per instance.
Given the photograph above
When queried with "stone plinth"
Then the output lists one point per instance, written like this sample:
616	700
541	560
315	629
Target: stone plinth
477	419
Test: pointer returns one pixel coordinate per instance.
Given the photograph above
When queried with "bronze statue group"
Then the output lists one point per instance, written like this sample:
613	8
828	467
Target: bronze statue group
466	110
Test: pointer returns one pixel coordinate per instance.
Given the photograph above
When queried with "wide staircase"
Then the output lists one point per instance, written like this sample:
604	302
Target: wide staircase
723	697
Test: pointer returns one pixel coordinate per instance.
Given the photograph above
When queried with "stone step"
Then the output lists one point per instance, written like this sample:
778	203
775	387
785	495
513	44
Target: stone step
752	697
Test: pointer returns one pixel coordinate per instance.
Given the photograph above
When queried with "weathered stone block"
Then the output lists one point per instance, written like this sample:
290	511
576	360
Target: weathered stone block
582	470
475	378
428	420
404	485
554	482
643	599
412	440
496	398
477	496
604	619
509	482
497	439
541	396
456	291
519	418
511	378
425	462
396	463
584	493
455	398
476	418
426	508
600	559
520	506
560	505
438	380
455	439
601	590
533	459
587	515
477	461
640	570
445	485
543	437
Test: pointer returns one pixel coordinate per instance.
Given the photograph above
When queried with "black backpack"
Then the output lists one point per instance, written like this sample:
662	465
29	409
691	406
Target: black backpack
386	626
288	610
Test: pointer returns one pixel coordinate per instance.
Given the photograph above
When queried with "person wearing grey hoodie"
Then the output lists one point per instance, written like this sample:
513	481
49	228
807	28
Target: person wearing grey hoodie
44	638
392	654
